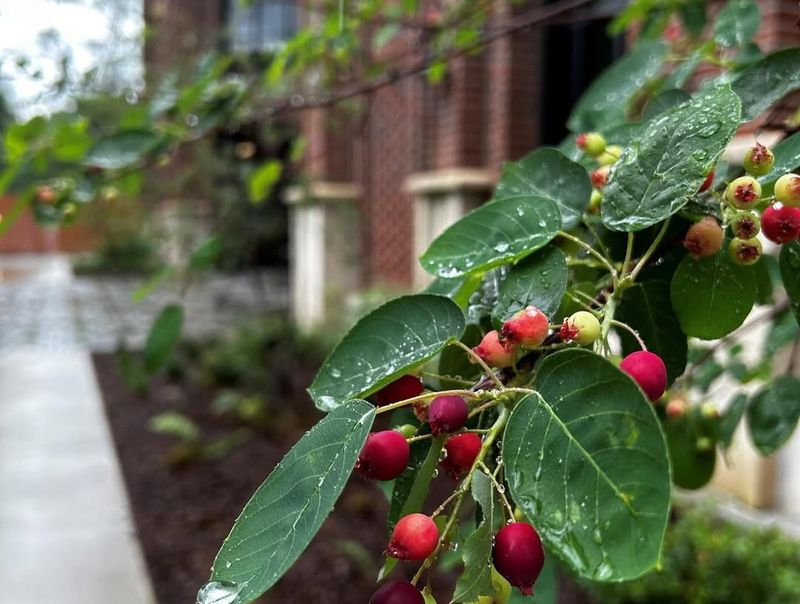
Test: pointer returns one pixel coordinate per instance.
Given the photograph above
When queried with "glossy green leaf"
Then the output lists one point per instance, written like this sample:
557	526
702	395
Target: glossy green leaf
737	23
539	280
287	510
606	101
205	255
647	309
151	284
458	289
731	418
587	462
789	261
548	173
773	413
476	580
411	487
663	102
122	149
454	363
658	173
263	179
497	233
768	81
691	468
384	345
164	335
787	159
712	296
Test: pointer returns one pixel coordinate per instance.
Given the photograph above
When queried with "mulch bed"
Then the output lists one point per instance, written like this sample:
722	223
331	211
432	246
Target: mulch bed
182	514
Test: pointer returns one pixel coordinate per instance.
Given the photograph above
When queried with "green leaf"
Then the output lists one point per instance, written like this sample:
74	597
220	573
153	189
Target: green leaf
773	413
453	361
175	424
731	418
691	468
205	254
789	261
384	345
263	179
122	149
658	173
767	81
587	462
548	173
164	335
151	284
712	296
476	580
606	101
539	280
787	158
663	102
384	35
411	487
737	23
646	308
287	510
71	141
497	233
458	289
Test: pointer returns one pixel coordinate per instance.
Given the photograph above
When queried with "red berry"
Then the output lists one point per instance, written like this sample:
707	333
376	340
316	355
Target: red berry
397	592
496	352
648	370
599	177
707	182
460	453
407	386
528	327
704	238
518	555
676	408
780	223
447	414
414	538
384	456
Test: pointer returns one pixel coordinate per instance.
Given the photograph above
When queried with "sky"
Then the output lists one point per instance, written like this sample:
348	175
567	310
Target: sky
114	24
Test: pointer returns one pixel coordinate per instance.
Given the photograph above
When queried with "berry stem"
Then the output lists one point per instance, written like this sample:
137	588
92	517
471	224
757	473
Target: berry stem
650	251
628	255
630	330
480	361
501	490
593	252
414	439
426	396
458	495
482	408
448	378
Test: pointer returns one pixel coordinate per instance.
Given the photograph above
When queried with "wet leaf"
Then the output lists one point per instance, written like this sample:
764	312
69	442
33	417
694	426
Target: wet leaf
476	580
768	81
737	23
587	462
539	280
773	413
384	345
789	261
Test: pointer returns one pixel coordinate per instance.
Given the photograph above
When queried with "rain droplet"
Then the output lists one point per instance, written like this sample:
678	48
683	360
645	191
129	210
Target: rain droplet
219	592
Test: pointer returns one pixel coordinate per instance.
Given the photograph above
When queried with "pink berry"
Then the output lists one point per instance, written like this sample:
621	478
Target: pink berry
384	456
496	352
447	414
414	538
528	327
518	555
648	370
707	182
407	386
780	223
599	177
397	592
461	451
704	238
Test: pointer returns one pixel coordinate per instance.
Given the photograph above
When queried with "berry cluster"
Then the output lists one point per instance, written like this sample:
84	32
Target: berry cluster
747	213
594	145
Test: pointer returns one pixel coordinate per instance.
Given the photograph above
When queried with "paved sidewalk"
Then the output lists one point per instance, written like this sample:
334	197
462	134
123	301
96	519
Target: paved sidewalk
66	533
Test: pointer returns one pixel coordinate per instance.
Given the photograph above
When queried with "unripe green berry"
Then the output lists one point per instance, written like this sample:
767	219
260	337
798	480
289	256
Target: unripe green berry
758	160
704	444
745	225
743	192
744	251
610	156
581	327
591	143
787	190
595	200
407	430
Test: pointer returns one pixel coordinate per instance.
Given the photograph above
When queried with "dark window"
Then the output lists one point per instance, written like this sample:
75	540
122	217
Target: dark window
573	55
259	25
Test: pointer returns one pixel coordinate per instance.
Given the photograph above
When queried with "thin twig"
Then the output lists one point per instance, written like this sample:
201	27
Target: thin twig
631	331
480	361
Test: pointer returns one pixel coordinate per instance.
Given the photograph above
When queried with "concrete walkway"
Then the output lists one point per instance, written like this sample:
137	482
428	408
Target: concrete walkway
66	533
